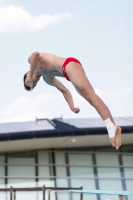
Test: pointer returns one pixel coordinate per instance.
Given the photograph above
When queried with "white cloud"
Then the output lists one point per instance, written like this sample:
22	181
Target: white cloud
24	105
16	18
53	105
24	117
115	93
119	101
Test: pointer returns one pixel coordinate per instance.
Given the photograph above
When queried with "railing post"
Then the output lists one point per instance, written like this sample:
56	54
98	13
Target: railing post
43	192
49	195
11	193
14	195
81	194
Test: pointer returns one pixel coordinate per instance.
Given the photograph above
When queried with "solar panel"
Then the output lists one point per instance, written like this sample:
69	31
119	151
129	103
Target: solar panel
26	126
96	122
45	124
13	127
1	129
39	125
84	123
124	121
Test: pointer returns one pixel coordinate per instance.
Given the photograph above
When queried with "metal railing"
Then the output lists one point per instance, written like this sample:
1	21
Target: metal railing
13	191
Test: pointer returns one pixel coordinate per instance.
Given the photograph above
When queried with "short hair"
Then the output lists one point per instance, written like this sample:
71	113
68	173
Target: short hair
120	195
28	88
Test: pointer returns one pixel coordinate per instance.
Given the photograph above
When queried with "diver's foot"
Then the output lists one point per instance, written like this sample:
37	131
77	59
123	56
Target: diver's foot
118	137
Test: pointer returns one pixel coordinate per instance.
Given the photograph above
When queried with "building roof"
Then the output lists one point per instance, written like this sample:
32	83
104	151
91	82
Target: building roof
45	128
60	133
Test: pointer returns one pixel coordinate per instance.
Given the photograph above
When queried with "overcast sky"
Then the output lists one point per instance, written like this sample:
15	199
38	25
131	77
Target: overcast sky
98	33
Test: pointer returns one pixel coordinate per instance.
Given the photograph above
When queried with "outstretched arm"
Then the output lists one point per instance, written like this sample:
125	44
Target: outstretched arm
33	60
66	93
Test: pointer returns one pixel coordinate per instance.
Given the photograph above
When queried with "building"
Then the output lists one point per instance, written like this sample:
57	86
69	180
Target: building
65	153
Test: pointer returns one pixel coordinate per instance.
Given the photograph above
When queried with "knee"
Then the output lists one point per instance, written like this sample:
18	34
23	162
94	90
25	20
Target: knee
88	95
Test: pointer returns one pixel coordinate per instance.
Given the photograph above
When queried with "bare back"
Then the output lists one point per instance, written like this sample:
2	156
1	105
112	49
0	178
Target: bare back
50	65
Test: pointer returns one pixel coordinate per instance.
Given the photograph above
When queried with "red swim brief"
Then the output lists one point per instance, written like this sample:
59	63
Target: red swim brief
65	64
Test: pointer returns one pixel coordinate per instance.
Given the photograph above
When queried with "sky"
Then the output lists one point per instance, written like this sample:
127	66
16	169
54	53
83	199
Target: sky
98	33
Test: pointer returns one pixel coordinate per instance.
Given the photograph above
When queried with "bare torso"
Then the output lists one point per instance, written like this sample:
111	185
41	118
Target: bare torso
50	65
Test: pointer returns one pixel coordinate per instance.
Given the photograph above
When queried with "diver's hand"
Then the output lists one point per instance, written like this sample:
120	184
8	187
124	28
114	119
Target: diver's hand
75	110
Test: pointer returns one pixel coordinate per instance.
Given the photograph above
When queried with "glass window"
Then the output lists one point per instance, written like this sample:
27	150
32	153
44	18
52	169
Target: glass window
110	185
79	166
107	159
129	187
24	195
61	171
40	195
2	195
87	184
61	195
80	169
2	174
128	172
22	175
21	169
128	160
45	171
80	159
60	158
43	158
24	168
2	171
108	172
56	195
